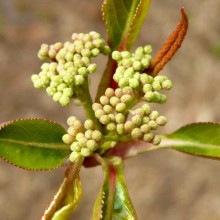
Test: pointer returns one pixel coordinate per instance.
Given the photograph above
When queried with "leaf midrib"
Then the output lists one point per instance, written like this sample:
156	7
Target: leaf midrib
37	144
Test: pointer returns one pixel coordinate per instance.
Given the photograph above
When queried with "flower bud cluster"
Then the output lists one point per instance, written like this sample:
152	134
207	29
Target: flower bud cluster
130	73
70	65
83	139
111	112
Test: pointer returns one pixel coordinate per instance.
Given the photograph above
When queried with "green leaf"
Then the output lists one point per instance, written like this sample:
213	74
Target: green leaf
199	139
70	200
34	144
113	201
123	21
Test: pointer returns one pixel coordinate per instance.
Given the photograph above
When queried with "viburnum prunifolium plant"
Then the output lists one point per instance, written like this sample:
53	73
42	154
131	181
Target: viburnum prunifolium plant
120	122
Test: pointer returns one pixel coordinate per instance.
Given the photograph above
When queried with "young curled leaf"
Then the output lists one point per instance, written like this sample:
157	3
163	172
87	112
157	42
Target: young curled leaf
33	144
113	202
170	47
68	196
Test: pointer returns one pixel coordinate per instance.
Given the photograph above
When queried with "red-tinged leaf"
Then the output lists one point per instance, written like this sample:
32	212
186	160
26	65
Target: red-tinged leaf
123	20
33	144
113	201
68	196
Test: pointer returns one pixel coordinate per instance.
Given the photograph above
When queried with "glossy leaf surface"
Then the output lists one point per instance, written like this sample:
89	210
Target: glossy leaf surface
113	201
123	21
34	144
70	200
201	139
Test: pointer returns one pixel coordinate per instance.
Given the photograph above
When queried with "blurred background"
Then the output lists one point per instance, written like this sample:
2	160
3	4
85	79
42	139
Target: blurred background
163	184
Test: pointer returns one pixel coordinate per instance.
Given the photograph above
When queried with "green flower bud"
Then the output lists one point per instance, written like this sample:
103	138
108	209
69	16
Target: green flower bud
119	118
83	71
127	90
154	115
167	84
145	79
120	70
86	62
147	88
94	35
139	51
126	63
125	54
145	120
161	120
111	126
68	92
107	109
78	125
112	117
75	147
160	78
152	124
91	145
109	92
96	106
104	119
123	82
99	113
98	43
89	45
120	129
120	107
88	134
137	65
86	52
72	131
129	125
79	136
79	80
106	50
136	119
133	83
78	47
75	157
57	96
96	135
69	56
147	49
145	62
118	92
104	100
116	55
149	96
145	129
136	133
61	87
64	100
86	152
67	139
162	99
148	137
126	99
129	72
146	109
95	52
82	142
50	91
89	124
139	111
156	86
71	120
156	140
78	63
92	68
114	101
